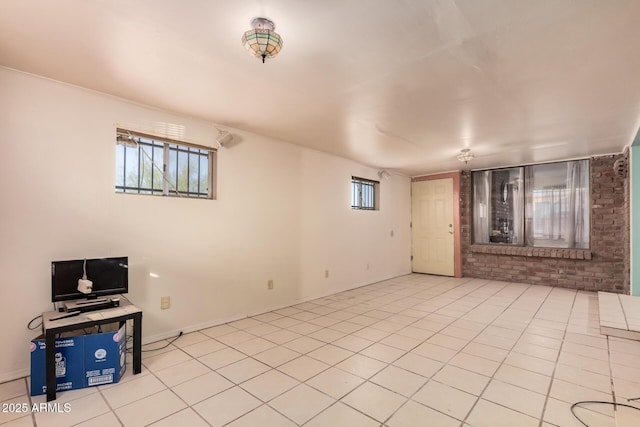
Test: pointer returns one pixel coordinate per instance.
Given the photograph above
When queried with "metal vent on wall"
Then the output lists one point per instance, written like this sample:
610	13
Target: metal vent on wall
620	167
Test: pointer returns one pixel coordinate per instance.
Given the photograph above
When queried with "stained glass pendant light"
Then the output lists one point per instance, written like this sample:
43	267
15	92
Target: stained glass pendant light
261	41
465	155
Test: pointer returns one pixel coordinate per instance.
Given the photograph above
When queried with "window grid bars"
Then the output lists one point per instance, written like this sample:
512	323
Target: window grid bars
363	194
189	151
166	147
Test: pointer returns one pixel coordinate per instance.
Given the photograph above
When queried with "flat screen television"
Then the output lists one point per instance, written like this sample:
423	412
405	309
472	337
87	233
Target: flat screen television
110	276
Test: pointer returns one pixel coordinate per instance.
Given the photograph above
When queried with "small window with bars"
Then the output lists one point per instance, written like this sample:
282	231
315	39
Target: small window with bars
152	165
364	193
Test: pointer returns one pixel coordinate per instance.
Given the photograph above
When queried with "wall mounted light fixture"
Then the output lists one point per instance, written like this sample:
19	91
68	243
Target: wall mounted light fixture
383	174
224	137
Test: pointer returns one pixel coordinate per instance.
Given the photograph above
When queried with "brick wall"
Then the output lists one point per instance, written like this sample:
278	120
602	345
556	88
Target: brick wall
605	267
627	224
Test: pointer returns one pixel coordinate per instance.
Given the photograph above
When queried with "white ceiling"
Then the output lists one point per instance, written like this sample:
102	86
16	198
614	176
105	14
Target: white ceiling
402	85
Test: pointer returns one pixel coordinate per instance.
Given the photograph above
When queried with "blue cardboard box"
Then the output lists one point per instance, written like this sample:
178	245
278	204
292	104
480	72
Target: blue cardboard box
81	361
69	364
105	357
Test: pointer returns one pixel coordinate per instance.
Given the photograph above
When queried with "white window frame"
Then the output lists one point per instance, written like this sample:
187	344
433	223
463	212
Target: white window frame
365	194
148	147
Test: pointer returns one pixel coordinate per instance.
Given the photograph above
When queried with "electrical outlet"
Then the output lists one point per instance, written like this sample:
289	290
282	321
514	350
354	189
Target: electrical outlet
270	284
367	266
326	274
165	303
391	234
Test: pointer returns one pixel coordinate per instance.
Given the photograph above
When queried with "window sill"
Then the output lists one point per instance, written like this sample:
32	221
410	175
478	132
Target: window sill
532	252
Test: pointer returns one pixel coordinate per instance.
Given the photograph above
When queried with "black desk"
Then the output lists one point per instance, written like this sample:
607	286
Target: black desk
88	319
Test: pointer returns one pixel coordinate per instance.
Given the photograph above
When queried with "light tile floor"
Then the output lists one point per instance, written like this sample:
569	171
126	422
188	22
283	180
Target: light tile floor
619	315
416	350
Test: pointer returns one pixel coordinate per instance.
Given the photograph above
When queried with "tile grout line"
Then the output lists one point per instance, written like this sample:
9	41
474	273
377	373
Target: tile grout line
624	314
444	364
33	415
271	368
304	382
367	380
153	373
505	358
555	366
111	409
458	351
613	391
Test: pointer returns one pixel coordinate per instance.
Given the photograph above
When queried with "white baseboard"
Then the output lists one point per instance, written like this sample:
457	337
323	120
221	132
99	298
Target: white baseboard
191	328
221	321
14	375
21	373
318	296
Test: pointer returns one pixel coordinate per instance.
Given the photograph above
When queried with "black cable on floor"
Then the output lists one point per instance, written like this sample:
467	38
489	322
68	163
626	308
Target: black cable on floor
601	402
159	348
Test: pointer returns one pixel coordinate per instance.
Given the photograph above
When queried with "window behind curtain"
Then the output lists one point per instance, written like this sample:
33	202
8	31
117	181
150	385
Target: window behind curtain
557	203
540	205
498	206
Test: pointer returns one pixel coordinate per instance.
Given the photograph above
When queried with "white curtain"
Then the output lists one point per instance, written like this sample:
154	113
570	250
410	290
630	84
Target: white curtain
577	235
518	212
481	206
528	205
557	205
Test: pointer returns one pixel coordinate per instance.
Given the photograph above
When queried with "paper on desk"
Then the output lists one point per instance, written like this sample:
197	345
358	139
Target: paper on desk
99	315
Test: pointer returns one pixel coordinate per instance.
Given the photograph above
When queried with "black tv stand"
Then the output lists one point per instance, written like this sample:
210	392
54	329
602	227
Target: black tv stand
54	327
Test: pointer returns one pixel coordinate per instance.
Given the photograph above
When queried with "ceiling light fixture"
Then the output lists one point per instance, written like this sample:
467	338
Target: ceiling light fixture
262	41
465	155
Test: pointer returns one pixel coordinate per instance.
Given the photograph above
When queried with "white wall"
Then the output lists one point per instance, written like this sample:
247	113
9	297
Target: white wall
282	213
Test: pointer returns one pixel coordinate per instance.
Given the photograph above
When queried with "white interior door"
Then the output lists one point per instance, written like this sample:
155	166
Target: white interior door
432	232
